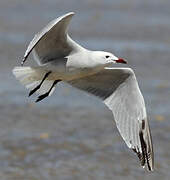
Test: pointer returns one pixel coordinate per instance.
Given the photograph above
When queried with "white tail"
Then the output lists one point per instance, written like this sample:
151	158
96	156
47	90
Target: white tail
32	77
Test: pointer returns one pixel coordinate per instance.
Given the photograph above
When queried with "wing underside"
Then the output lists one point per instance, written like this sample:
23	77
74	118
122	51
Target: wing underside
52	42
118	88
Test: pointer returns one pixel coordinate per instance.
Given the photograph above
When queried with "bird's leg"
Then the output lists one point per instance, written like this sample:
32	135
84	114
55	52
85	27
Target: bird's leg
47	93
38	87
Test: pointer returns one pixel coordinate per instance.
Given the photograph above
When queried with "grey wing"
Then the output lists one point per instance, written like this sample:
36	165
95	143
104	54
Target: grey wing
118	88
52	42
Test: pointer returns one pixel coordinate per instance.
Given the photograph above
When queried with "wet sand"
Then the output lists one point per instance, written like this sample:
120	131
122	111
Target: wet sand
72	135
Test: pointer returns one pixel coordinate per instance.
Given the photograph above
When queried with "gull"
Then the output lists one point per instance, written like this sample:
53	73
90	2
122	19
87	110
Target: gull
60	58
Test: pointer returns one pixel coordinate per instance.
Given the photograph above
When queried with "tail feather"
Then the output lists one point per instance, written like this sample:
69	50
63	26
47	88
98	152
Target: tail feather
31	77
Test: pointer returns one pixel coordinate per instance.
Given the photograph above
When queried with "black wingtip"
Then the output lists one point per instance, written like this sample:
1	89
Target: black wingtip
145	156
23	61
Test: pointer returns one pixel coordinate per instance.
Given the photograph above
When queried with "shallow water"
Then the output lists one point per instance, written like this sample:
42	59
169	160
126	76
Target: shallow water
71	135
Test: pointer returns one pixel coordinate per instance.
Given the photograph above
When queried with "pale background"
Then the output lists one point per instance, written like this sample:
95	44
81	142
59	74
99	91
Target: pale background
71	135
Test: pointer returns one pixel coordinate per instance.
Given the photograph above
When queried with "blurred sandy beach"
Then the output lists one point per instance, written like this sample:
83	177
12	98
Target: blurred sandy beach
72	135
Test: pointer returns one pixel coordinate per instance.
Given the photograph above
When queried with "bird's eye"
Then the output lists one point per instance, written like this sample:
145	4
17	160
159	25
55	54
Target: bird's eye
107	56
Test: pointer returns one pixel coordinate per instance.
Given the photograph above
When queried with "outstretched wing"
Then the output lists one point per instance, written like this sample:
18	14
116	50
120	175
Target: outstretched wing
118	88
52	42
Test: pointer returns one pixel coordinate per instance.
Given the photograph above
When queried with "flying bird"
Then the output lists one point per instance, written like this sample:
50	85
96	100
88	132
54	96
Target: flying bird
60	58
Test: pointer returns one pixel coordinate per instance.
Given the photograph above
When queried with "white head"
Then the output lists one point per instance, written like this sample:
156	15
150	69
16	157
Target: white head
102	58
